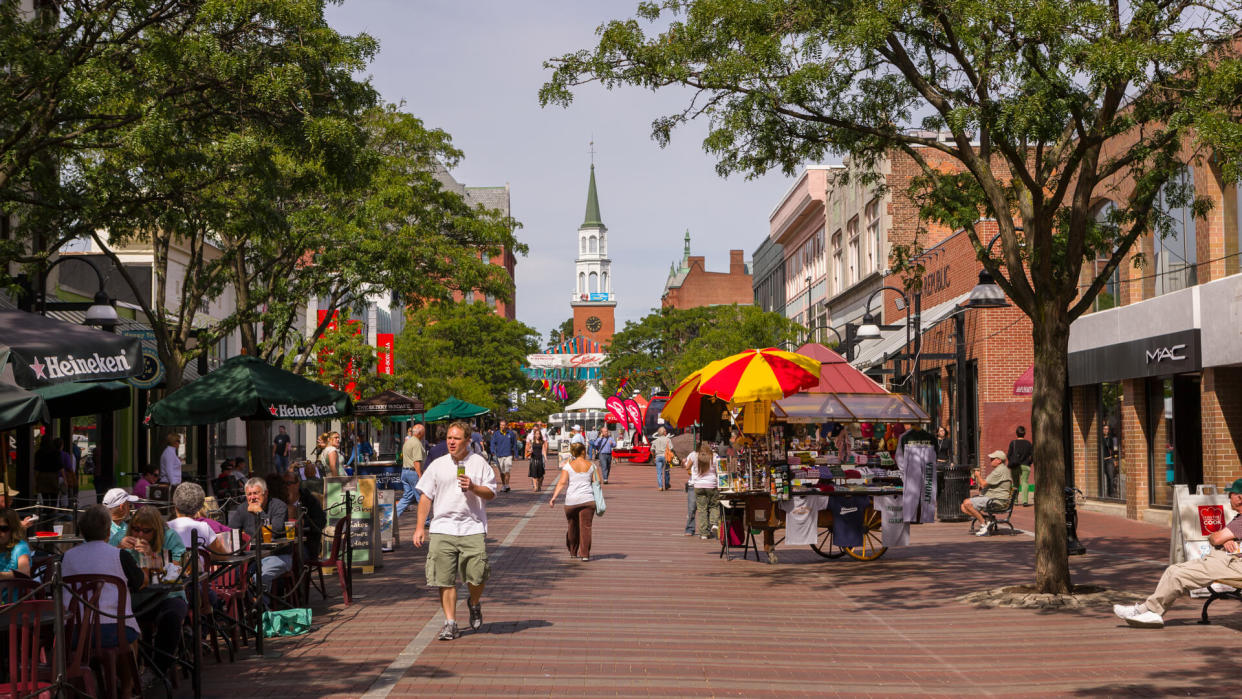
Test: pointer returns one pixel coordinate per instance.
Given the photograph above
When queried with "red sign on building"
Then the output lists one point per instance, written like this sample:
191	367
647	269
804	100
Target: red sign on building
384	356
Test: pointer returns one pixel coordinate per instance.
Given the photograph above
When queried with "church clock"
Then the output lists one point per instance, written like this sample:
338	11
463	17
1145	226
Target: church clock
594	324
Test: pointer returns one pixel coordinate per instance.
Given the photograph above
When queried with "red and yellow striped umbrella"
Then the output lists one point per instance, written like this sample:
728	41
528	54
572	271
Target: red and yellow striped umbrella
758	374
682	409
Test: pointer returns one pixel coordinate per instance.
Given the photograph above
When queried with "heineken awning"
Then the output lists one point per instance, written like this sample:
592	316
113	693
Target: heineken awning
249	388
388	403
45	351
19	407
454	409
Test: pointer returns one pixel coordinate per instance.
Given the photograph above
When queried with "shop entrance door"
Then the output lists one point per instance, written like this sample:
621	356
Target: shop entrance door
1175	449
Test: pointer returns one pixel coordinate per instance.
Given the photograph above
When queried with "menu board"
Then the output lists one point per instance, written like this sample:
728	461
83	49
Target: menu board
363	530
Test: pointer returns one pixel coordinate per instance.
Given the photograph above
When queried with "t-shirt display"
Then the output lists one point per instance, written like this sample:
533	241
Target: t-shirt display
802	519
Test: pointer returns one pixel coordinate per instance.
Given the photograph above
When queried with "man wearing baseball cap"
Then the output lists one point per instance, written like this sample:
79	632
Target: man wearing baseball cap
118	503
997	488
1221	563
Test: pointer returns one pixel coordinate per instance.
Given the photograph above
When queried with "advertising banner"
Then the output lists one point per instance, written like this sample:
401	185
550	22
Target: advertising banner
616	411
383	356
633	412
566	361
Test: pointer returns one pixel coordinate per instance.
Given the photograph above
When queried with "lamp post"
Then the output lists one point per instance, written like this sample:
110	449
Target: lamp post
870	330
100	312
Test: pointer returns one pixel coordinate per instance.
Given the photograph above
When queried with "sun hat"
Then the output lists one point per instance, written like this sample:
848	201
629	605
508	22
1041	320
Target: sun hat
116	497
6	490
998	454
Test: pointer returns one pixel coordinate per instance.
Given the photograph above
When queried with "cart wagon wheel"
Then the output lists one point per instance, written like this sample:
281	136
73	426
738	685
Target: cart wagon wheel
823	545
873	541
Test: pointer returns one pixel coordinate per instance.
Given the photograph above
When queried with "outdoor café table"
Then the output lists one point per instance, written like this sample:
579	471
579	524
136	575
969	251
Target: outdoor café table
54	544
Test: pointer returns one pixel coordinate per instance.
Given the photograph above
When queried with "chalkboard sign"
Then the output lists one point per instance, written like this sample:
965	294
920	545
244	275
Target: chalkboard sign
362	531
387	474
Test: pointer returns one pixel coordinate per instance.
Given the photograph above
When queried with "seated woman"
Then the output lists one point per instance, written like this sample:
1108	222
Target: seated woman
161	614
187	502
97	557
14	551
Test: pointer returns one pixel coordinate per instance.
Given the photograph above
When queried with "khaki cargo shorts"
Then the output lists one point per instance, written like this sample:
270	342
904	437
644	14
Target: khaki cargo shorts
504	463
449	555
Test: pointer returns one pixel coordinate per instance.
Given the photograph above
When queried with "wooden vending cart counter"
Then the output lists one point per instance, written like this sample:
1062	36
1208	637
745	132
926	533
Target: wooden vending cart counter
761	515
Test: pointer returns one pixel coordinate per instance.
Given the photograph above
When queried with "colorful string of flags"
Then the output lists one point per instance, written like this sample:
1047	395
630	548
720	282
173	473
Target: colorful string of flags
560	392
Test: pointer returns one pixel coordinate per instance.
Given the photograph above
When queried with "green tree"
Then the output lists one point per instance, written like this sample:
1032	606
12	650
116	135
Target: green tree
564	331
667	345
1043	104
464	350
343	358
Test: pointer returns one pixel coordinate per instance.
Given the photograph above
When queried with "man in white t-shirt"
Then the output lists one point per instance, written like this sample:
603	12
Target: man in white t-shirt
170	462
456	488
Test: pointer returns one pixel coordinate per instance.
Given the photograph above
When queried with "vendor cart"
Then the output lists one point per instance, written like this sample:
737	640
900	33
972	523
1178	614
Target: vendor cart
748	518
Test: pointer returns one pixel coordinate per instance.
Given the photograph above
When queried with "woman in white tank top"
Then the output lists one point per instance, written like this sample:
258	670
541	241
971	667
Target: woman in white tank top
575	480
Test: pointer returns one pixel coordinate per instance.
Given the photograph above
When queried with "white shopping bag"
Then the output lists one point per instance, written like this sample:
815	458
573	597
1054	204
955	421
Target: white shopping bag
1194	518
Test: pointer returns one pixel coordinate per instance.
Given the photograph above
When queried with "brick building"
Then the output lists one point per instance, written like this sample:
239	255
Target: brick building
690	285
1156	369
996	345
490	198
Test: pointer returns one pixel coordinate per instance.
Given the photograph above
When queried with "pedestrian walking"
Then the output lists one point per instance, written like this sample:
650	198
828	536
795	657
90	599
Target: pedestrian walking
413	455
504	445
536	454
455	489
280	449
330	456
1020	456
702	465
576	478
659	446
604	445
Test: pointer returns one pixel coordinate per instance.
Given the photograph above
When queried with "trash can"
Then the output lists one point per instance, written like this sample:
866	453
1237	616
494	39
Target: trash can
953	488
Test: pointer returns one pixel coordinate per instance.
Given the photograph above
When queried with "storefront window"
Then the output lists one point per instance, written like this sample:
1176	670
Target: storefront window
929	398
1111	477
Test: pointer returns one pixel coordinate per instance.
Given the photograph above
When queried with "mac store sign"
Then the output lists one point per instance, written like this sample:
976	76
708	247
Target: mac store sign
1162	355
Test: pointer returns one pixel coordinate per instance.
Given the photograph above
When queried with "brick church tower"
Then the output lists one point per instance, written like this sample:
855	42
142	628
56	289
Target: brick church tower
593	301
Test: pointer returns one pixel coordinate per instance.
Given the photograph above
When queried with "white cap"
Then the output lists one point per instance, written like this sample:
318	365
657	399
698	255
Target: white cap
116	497
577	427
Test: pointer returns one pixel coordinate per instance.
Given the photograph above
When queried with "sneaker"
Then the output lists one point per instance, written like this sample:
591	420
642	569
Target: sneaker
1146	620
506	489
449	632
1125	611
688	534
984	530
704	538
476	615
586	558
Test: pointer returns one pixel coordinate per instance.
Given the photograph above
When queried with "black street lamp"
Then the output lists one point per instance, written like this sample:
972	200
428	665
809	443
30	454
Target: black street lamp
870	330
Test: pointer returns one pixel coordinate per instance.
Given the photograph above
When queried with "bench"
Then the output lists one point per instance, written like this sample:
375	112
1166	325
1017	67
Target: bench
1235	594
998	512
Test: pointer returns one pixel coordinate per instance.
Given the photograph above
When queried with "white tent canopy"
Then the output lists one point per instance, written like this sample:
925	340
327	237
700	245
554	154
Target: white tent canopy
590	400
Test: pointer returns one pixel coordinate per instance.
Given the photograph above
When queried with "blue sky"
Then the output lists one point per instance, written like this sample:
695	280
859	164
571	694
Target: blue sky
474	69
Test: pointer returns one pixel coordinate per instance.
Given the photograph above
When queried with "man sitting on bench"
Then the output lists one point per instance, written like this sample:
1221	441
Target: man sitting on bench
995	491
1181	578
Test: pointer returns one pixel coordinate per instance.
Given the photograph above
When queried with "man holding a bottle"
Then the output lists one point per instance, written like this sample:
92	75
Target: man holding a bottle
455	489
260	512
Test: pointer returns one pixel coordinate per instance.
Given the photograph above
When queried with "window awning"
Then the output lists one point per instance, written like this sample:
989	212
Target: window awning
875	352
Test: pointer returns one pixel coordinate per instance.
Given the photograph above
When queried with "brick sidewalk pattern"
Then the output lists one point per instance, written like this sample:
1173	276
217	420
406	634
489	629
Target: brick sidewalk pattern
656	613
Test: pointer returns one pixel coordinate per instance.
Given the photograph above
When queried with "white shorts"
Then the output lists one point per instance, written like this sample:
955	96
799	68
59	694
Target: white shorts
504	463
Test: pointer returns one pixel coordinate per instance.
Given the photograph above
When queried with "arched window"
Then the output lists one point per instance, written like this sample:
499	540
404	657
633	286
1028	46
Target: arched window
594	245
1109	296
581	282
594	284
603	244
584	243
1175	250
603	282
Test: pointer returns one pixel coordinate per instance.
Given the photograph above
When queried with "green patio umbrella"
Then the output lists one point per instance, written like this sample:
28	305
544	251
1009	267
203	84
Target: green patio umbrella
19	407
251	389
454	409
84	397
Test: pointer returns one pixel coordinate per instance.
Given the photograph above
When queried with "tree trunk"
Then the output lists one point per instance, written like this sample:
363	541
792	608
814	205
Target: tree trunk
1050	334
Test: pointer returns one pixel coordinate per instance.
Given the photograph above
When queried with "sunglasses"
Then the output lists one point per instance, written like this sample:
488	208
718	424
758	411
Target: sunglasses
4	529
140	530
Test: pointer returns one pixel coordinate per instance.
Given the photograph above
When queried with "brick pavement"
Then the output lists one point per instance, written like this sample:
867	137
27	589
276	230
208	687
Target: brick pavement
659	614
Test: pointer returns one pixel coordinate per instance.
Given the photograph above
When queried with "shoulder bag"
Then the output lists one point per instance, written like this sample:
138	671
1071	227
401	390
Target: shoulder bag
597	490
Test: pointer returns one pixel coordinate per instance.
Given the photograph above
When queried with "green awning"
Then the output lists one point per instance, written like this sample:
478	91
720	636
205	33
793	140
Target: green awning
454	409
84	397
249	388
19	407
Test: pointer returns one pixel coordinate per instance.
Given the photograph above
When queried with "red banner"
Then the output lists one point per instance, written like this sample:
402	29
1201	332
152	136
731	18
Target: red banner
383	365
634	413
616	411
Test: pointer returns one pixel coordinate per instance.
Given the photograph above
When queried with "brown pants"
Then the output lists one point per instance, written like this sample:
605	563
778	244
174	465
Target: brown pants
578	536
